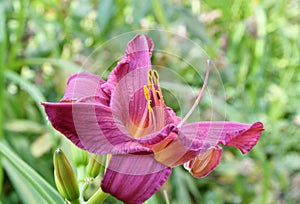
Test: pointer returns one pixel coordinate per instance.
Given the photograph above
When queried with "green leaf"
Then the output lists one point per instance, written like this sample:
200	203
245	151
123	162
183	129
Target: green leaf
27	193
32	90
24	126
106	11
32	178
159	13
181	188
2	74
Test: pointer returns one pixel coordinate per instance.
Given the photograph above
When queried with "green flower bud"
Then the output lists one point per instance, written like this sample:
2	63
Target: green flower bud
80	157
65	179
95	165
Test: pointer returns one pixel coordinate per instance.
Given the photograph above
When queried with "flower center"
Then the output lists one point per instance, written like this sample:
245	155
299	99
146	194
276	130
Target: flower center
153	118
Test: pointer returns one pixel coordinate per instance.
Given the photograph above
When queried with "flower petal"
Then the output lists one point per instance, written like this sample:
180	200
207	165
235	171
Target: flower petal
126	82
92	127
197	138
127	93
134	178
184	146
172	152
158	137
246	139
171	116
83	86
138	54
204	163
240	135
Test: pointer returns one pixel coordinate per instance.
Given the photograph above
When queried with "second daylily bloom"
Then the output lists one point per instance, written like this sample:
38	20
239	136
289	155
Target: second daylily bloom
126	116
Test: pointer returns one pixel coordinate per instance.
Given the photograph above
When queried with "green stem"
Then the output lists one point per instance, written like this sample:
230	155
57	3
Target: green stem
81	173
98	197
2	76
75	201
83	188
166	197
81	178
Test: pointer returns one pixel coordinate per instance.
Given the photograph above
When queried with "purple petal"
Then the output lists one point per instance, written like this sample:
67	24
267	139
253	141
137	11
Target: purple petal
92	127
138	54
138	109
242	136
171	116
127	94
85	87
246	139
62	120
204	163
157	137
172	152
181	148
134	178
196	138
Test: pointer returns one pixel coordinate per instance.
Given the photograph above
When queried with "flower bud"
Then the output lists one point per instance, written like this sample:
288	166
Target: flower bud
65	179
95	165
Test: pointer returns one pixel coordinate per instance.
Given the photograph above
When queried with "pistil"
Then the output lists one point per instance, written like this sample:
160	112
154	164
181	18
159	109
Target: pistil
199	96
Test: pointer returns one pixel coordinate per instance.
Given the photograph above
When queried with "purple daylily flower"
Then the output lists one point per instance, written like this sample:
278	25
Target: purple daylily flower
126	116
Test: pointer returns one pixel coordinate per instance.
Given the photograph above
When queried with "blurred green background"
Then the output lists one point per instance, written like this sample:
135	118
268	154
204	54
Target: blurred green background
254	44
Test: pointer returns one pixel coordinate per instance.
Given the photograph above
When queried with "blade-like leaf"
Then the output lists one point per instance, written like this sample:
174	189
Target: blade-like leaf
159	13
47	192
2	74
27	192
30	88
106	11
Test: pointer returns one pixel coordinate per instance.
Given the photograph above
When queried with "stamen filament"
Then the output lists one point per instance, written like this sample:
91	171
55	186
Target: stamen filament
199	96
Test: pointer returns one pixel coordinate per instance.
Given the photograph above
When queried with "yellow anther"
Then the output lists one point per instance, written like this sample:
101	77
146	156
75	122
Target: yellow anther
149	105
158	94
146	93
147	97
150	77
155	76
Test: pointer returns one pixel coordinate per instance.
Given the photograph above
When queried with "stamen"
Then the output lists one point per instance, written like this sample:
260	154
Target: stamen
146	93
150	77
155	77
154	112
158	94
147	97
199	96
149	105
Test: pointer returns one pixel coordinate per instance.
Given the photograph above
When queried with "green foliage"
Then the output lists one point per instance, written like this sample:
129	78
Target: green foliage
254	45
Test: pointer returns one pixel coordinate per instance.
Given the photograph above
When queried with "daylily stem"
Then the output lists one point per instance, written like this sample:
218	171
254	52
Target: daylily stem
98	197
166	197
75	202
81	175
199	96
